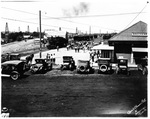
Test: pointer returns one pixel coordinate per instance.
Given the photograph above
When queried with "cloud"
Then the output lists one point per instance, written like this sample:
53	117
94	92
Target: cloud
81	9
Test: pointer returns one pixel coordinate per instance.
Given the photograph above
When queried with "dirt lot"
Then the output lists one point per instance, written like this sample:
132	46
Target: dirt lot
68	94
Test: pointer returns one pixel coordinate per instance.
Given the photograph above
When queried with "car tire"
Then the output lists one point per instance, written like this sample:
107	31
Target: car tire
82	69
103	68
15	75
144	71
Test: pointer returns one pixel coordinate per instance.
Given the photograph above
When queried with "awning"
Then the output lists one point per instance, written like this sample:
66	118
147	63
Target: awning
139	49
103	47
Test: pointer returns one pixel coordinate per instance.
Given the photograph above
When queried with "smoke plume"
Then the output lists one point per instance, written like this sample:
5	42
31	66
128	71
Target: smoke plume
80	9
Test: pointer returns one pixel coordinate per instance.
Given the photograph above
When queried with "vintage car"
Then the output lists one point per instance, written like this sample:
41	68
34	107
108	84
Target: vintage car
104	65
83	66
41	65
68	63
143	66
13	69
10	56
122	66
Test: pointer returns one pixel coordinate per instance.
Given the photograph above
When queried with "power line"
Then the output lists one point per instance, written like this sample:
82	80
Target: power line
35	23
137	15
19	11
63	18
101	15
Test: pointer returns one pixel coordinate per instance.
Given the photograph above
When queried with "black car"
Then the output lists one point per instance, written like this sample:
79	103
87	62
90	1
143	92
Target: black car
41	65
83	66
13	69
68	63
122	66
104	65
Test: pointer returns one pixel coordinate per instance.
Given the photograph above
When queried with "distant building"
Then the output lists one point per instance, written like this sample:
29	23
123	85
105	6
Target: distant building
54	33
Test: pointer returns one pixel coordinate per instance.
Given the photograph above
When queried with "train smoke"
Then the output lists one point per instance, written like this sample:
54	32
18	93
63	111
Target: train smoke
80	9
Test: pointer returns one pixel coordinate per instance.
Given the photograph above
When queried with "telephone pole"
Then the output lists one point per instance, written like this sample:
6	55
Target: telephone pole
40	32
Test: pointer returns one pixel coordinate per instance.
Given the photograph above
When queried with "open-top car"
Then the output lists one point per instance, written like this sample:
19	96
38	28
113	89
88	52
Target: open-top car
13	69
41	65
143	66
104	65
122	66
83	66
68	63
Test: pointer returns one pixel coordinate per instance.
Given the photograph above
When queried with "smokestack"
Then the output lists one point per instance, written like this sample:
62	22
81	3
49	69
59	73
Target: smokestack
76	30
90	30
18	29
28	30
6	28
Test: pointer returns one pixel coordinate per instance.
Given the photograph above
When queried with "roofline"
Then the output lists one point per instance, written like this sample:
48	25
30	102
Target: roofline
125	30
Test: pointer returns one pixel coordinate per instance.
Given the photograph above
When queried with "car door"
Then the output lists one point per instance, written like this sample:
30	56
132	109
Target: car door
6	69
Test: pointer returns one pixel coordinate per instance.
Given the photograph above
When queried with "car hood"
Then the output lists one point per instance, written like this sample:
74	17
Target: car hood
38	65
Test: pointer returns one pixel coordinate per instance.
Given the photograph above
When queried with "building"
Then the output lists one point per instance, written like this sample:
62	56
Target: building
131	43
105	50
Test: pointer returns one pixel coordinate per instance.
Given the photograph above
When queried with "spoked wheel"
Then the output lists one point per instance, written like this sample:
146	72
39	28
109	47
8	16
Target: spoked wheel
14	76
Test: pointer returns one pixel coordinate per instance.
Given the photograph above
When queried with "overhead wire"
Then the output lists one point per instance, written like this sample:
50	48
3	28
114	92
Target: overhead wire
136	15
34	23
64	18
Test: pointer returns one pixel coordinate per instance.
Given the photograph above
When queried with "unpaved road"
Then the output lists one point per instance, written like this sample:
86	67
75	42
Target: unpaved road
67	94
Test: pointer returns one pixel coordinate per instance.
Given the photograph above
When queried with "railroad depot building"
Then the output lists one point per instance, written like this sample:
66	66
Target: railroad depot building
130	43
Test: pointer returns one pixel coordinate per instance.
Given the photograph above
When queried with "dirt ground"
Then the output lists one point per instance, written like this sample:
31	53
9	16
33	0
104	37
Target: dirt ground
68	94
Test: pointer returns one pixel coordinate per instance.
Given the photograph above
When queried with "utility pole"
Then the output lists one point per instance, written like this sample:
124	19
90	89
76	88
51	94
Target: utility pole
40	32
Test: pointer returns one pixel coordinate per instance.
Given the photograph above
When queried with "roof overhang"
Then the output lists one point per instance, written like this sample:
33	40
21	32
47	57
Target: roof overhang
139	49
103	47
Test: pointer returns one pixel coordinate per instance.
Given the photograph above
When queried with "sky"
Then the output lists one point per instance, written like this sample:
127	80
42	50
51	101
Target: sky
87	16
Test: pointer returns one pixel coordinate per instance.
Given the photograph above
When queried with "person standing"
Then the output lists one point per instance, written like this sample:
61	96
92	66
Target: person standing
57	48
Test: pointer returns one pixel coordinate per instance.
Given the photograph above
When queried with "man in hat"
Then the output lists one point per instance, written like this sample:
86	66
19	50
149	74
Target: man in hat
5	112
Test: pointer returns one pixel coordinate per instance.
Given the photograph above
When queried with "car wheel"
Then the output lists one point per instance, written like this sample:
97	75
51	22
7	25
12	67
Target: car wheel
14	75
82	69
103	68
62	68
144	71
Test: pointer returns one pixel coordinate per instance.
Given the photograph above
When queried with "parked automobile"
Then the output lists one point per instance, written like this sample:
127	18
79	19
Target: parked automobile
143	66
41	65
83	66
10	56
104	65
13	69
122	66
68	63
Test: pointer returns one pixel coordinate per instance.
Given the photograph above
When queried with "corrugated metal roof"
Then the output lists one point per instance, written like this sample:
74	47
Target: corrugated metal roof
136	32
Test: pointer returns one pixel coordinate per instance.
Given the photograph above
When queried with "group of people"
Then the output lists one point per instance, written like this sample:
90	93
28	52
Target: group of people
94	55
